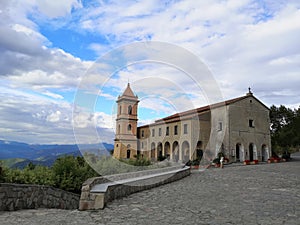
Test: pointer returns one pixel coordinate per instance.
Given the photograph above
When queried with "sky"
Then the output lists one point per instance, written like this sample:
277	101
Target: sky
64	63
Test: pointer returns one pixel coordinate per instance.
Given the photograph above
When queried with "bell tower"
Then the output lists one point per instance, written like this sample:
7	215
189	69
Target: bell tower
125	143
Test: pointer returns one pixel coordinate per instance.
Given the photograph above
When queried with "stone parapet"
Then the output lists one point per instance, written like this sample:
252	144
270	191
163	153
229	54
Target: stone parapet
98	191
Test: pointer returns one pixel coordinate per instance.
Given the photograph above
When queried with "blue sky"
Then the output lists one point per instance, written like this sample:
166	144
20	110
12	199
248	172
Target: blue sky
58	61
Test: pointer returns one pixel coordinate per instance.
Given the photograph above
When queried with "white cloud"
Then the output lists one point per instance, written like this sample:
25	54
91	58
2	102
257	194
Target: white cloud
54	116
244	43
55	9
36	119
52	95
237	39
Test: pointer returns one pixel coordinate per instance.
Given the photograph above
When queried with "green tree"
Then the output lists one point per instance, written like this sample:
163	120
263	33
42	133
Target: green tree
285	128
30	166
70	172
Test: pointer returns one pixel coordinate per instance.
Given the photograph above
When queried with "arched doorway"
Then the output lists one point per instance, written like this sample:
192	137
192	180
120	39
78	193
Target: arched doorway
264	153
185	151
175	151
152	151
128	151
159	151
128	154
251	152
198	154
167	150
237	152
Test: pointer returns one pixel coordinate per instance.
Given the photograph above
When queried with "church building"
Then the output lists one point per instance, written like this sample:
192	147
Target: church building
239	128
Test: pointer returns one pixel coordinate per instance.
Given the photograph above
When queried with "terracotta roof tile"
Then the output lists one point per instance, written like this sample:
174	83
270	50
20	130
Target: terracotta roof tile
204	109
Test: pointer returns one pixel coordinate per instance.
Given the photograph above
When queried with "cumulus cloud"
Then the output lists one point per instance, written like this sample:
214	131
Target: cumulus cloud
239	40
36	119
244	43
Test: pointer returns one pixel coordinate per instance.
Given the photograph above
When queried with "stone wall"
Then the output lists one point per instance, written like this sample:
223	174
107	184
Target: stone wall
23	196
121	185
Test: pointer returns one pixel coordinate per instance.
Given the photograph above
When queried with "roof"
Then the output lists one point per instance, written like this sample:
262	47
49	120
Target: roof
128	95
204	109
128	92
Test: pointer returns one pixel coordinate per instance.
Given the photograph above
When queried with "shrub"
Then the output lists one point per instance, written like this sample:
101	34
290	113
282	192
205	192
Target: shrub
70	172
67	173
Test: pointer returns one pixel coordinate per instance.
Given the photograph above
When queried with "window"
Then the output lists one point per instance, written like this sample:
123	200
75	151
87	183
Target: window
220	127
159	132
251	123
120	110
130	110
153	132
143	134
167	131
142	144
129	127
185	128
175	130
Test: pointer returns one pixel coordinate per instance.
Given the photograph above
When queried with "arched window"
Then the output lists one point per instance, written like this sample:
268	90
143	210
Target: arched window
129	127
119	128
130	110
120	110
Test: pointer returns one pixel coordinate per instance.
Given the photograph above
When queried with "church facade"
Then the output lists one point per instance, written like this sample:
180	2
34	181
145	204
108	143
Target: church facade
239	128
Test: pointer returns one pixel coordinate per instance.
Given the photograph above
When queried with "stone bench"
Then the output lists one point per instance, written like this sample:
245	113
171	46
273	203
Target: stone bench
97	191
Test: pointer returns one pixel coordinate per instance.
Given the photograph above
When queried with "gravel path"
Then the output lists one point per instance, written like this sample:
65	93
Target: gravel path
237	194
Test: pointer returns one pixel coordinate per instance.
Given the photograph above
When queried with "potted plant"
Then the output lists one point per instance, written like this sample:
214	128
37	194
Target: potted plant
270	160
246	162
276	160
255	161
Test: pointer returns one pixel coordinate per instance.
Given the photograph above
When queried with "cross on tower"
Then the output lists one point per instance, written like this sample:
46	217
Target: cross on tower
249	88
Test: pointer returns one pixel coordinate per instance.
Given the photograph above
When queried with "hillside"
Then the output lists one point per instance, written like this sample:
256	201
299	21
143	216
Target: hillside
18	154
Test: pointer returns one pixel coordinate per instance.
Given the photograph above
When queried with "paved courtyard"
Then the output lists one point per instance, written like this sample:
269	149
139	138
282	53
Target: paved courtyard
237	194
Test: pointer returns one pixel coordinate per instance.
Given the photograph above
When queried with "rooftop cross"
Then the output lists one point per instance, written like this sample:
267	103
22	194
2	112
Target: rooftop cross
249	88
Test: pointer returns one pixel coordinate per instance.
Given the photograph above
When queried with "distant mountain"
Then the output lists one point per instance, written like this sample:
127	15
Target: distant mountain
45	154
48	161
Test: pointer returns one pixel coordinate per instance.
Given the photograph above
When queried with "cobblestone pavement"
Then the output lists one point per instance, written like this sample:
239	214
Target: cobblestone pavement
254	194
